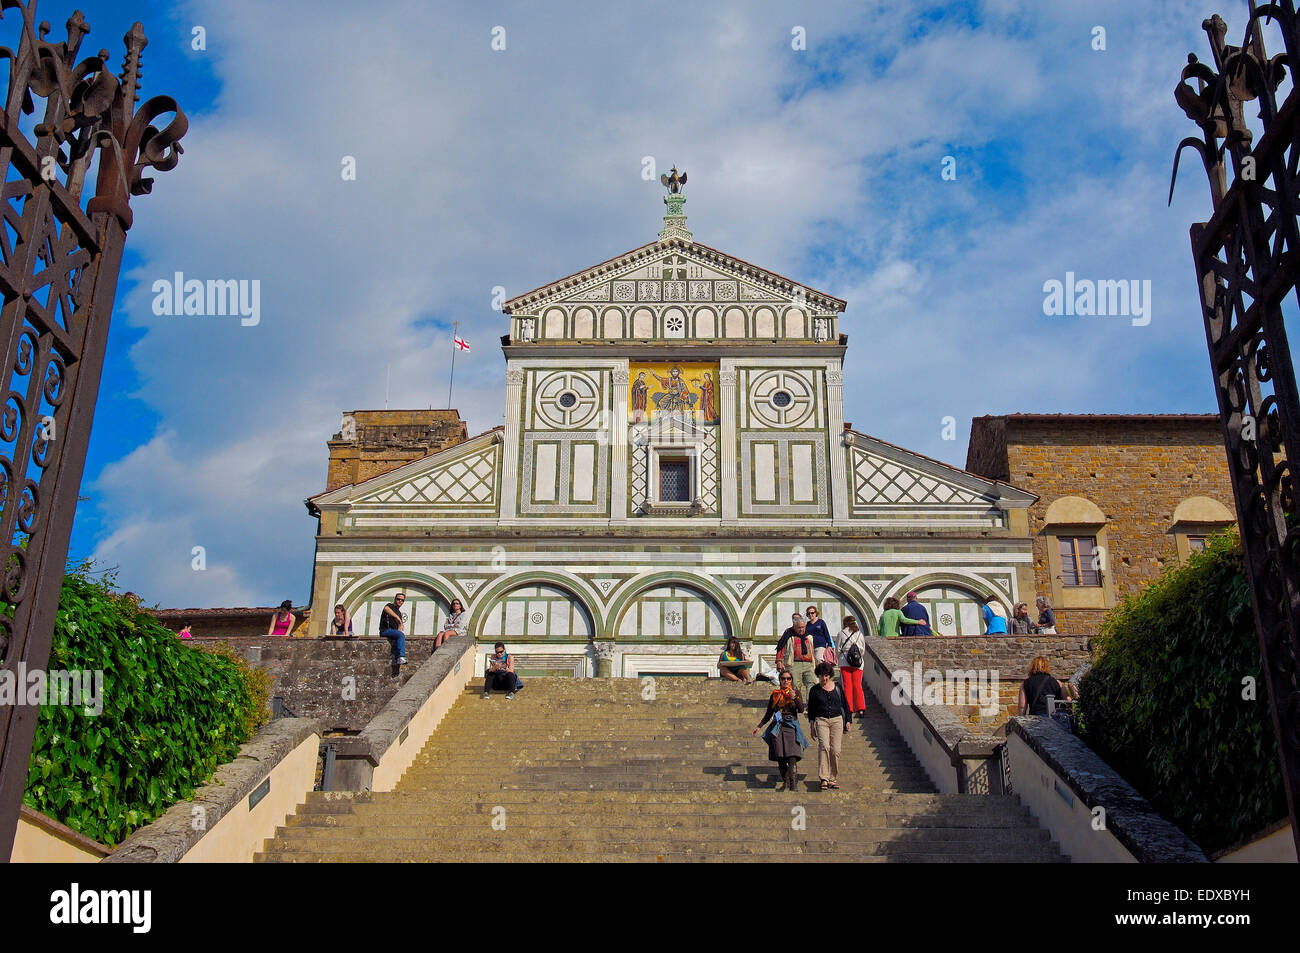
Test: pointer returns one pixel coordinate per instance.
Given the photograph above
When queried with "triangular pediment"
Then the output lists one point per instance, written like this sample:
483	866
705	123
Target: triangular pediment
883	475
674	271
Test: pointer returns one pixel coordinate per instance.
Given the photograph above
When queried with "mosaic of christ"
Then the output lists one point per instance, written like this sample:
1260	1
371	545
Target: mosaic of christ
674	389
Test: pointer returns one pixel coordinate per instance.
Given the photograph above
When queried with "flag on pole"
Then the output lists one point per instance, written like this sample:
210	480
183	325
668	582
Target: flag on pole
462	344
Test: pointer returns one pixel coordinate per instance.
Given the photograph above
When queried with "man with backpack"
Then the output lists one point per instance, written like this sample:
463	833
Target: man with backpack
851	647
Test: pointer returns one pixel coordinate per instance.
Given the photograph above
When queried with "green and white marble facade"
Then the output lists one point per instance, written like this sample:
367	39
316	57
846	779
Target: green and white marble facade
548	528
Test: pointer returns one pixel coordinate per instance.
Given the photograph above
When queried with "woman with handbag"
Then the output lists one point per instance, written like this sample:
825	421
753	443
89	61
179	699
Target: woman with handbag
852	648
823	647
784	737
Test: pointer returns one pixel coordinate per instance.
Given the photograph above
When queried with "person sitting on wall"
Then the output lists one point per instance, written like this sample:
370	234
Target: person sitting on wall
282	620
499	673
995	622
916	612
732	664
341	624
391	627
456	623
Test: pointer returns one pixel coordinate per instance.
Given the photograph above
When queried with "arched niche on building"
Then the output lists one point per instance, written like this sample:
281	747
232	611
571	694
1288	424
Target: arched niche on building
536	611
672	611
773	614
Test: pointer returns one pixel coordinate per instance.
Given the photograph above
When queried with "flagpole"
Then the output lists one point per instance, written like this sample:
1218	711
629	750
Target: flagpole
455	326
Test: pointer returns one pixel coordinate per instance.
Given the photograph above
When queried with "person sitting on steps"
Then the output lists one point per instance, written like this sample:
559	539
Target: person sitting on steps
500	673
732	664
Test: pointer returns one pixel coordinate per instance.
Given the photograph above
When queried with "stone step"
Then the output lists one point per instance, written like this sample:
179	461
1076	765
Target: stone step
729	856
710	828
380	842
817	813
918	803
588	770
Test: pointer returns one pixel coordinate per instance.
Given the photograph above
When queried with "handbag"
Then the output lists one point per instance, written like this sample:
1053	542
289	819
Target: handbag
828	655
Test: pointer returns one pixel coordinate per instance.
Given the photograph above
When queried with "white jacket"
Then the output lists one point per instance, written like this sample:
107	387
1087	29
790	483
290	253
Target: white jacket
846	639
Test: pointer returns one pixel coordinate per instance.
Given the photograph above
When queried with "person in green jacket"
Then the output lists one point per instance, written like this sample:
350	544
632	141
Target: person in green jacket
892	620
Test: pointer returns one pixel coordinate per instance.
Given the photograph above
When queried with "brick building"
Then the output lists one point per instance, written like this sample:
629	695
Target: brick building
1120	497
372	442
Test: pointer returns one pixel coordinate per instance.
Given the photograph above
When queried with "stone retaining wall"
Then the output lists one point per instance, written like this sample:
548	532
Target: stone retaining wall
1008	655
342	682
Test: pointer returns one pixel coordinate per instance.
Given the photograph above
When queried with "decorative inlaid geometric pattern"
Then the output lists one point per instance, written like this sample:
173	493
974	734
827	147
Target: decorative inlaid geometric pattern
877	480
709	473
567	399
600	477
783	505
470	479
781	398
640	458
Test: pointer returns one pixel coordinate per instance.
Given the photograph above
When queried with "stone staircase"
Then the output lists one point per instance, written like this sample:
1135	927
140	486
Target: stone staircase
589	770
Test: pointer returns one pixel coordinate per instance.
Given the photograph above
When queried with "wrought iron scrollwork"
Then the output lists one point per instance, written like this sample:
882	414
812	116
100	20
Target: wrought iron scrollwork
60	251
1247	260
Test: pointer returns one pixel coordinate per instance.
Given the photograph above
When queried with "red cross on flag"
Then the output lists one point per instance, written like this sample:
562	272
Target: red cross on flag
462	344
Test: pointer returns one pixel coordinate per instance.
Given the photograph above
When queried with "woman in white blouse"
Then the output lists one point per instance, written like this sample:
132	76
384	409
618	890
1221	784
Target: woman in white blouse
456	623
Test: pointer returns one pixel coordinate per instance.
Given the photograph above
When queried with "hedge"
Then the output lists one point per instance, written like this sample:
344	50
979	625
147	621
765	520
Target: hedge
172	713
1169	703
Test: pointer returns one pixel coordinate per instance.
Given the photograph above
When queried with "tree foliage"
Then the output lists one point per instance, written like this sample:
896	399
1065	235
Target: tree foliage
1177	704
172	713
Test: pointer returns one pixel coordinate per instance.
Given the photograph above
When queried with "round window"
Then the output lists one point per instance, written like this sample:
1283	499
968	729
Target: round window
781	399
568	399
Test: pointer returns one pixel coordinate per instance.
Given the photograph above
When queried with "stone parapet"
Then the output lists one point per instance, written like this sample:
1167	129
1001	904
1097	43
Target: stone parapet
223	821
342	682
1089	809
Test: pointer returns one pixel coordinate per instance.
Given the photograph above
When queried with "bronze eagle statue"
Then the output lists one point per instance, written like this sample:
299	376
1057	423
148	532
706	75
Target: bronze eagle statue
674	182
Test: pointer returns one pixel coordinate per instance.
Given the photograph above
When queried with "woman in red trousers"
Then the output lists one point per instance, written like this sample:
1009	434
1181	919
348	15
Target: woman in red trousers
852	650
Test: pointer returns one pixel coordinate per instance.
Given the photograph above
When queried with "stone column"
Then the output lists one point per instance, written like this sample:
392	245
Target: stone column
617	434
728	409
604	652
511	444
839	454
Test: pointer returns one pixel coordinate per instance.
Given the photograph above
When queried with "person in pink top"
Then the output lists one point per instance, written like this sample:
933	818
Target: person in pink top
185	632
282	620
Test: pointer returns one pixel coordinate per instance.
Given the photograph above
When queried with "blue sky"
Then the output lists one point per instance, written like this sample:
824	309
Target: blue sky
478	168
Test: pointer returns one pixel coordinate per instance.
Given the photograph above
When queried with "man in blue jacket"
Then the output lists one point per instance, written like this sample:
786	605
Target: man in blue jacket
914	610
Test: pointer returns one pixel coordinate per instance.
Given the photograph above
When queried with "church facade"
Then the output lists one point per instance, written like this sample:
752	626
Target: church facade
674	468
